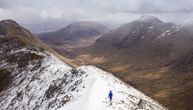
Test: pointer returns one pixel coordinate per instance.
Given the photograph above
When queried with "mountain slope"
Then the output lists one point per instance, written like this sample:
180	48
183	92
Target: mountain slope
69	40
34	78
134	43
75	32
145	43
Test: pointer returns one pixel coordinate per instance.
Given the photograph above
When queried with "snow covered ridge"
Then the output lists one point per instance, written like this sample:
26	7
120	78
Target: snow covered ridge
56	85
41	81
95	95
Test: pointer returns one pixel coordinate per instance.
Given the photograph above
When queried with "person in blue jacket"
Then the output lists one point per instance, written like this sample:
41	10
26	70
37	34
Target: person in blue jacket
110	96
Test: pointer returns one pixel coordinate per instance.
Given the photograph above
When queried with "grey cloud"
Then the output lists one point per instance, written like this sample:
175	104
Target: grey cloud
154	6
117	10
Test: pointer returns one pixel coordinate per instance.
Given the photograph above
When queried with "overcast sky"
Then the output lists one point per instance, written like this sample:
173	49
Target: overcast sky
35	11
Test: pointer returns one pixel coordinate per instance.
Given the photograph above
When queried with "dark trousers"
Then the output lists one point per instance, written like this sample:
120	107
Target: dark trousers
110	99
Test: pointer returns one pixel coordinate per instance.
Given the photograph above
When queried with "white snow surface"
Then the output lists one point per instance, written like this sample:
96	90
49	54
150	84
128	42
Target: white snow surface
32	85
95	95
54	85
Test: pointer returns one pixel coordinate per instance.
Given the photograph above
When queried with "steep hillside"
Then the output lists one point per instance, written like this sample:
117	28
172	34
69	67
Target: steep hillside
13	30
34	78
134	43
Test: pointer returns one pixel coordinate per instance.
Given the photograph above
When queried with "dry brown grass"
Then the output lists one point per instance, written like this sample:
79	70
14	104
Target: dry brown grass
152	74
83	42
119	69
162	94
87	59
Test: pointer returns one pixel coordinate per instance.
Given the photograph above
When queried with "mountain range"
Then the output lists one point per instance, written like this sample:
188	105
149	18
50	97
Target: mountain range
73	37
34	77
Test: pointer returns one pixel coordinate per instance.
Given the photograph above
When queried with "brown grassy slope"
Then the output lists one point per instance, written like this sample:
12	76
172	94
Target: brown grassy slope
11	29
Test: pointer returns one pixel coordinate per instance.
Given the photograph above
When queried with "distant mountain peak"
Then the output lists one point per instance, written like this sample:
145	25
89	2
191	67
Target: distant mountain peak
149	18
75	32
86	24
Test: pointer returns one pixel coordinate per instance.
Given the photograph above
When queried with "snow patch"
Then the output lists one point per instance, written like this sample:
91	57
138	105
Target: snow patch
151	27
142	37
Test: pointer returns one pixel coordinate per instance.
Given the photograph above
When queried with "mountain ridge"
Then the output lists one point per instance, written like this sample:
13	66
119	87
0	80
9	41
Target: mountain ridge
84	29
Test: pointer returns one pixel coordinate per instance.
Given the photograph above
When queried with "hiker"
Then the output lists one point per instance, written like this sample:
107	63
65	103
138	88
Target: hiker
110	96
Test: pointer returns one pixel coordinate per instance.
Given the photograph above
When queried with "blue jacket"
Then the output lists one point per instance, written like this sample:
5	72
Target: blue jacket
110	94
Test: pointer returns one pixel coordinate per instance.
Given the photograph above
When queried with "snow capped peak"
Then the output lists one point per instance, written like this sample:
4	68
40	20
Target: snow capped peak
148	18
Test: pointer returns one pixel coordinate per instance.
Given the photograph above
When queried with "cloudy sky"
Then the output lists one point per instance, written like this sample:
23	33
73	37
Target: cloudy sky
35	11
